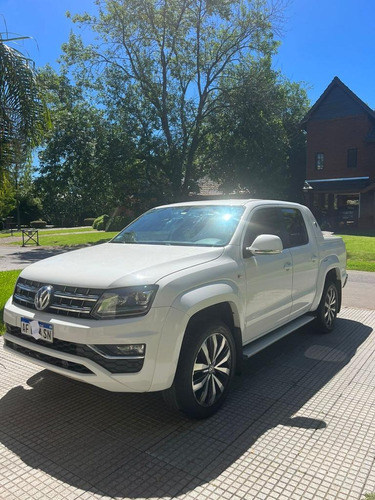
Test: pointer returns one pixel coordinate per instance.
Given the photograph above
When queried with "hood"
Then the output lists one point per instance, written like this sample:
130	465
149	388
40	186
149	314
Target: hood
113	265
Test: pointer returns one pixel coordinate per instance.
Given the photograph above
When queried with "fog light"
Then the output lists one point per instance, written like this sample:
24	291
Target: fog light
120	351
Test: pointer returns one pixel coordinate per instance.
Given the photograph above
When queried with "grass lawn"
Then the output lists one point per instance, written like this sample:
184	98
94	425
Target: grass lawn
57	239
360	251
51	231
7	282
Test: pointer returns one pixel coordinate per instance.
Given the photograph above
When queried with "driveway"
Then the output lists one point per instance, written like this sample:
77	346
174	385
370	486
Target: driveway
298	424
17	257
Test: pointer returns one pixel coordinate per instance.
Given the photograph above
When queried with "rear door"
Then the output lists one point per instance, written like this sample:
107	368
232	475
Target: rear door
305	259
268	278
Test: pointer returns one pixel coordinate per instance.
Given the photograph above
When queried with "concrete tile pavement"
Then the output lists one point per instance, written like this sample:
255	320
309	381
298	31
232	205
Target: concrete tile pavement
298	424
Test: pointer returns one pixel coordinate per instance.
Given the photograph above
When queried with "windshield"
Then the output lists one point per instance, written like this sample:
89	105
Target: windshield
207	225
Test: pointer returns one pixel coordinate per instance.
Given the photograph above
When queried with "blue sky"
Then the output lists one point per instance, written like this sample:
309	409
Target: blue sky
321	39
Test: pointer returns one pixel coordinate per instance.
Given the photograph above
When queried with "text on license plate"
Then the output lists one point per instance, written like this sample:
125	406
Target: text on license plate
30	327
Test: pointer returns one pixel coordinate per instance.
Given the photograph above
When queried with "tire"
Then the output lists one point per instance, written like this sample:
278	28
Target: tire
205	371
328	307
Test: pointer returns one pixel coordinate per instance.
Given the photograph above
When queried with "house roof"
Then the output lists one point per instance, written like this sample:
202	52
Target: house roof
336	82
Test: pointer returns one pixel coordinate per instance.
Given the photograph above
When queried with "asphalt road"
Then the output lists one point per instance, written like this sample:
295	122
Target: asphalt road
359	291
17	257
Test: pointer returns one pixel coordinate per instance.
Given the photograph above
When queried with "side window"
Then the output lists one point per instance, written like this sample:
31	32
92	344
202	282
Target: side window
264	221
295	228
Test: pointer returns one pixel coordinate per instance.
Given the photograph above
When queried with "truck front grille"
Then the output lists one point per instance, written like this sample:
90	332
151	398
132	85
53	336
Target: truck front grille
66	300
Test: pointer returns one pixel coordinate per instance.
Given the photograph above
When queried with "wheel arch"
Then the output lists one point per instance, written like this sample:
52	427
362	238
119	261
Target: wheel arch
330	272
215	300
227	313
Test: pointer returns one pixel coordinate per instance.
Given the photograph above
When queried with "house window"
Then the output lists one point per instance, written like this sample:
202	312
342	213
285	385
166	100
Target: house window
319	161
352	158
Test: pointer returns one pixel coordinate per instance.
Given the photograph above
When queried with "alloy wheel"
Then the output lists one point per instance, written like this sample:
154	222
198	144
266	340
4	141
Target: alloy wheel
330	306
212	369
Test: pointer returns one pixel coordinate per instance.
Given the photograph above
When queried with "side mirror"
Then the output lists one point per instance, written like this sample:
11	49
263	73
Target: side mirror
265	244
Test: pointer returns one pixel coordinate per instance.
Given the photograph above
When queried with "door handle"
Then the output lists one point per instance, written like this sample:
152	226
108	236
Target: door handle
314	258
288	266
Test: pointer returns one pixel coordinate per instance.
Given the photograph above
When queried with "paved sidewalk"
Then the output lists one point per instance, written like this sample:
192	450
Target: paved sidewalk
299	424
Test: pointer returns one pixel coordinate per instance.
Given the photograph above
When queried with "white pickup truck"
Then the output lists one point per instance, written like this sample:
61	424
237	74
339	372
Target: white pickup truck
177	299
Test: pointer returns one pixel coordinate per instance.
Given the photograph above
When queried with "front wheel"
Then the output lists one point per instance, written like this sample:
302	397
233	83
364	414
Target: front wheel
205	371
328	307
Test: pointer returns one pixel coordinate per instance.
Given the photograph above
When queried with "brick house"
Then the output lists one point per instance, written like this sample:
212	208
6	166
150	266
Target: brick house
340	170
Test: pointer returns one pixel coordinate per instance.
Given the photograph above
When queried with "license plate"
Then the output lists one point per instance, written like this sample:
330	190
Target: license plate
45	329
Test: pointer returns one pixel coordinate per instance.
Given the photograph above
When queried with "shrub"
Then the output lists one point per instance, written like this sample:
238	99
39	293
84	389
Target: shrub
89	221
118	222
100	222
38	224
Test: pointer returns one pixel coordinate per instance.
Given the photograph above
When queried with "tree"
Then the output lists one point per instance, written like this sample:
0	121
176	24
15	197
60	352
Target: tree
7	195
166	59
23	115
87	165
255	143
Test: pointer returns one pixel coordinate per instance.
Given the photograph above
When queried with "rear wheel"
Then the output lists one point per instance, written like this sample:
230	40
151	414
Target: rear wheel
205	371
328	307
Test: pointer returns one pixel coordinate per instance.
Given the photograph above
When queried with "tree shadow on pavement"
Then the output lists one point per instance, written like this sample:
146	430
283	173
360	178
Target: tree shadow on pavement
25	256
130	445
21	257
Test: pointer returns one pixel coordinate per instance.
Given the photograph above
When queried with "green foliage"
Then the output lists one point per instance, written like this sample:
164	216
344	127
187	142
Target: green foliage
118	222
87	165
254	143
24	117
24	120
7	283
29	208
89	221
38	224
158	67
7	195
101	222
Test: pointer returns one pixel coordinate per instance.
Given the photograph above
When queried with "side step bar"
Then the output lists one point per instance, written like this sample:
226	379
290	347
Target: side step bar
263	342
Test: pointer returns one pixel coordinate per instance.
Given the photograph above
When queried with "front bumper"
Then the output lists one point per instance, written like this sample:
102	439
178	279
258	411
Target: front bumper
70	354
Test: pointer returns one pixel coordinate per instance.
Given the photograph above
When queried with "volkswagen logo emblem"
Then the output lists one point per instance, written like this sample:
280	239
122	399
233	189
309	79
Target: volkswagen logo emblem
43	297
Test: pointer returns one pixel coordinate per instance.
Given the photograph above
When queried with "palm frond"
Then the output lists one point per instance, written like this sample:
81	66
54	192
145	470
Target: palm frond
23	114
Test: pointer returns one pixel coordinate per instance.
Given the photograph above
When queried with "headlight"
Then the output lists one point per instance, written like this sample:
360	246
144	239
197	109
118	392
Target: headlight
122	302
